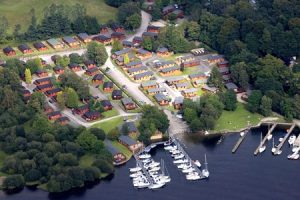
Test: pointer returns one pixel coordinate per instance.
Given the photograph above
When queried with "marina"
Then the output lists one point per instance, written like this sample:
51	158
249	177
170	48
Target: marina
278	149
243	135
262	143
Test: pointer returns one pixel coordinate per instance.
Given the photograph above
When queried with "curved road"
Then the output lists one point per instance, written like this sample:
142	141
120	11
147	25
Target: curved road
146	19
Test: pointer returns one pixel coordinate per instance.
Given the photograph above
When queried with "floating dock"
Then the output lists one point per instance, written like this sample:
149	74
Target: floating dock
284	139
145	171
239	142
265	138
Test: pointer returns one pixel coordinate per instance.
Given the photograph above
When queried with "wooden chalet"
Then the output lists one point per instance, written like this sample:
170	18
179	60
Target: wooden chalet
118	156
127	44
43	81
41	73
182	59
153	29
173	80
213	59
128	142
54	115
197	76
84	37
48	109
181	86
150	35
192	92
70	41
26	95
145	76
149	84
52	92
91	116
103	39
92	71
74	67
133	64
232	86
164	64
168	9
207	88
89	64
121	53
117	95
25	49
131	128
117	36
98	79
137	40
161	99
40	46
170	71
106	104
226	78
223	70
9	51
58	69
191	63
120	59
222	64
163	52
81	109
55	44
43	88
63	120
199	82
153	91
143	54
104	30
128	103
118	28
108	86
137	70
178	103
198	51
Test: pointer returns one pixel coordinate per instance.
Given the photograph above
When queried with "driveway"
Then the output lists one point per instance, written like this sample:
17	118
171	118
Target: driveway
146	19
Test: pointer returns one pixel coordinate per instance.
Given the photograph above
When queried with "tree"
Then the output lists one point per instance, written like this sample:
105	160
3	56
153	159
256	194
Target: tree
126	59
104	166
134	21
229	100
254	101
3	28
75	58
28	78
89	142
216	79
99	133
12	182
147	44
113	134
34	64
61	101
239	75
97	53
189	115
62	61
192	32
72	99
266	106
127	10
116	46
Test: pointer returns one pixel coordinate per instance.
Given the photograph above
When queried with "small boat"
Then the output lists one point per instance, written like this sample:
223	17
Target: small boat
242	133
273	147
154	169
134	175
178	156
175	152
292	139
205	171
170	147
135	169
263	147
180	161
146	160
142	185
156	185
294	156
188	170
280	139
296	149
277	152
144	156
269	137
197	163
153	146
192	177
183	166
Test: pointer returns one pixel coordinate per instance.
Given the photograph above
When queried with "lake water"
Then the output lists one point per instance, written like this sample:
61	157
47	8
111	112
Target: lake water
240	176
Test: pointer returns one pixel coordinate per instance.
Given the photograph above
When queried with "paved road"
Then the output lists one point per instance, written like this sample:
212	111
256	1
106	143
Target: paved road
146	18
177	126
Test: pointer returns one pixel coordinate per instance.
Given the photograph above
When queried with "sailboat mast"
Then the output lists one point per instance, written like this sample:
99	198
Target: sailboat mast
206	163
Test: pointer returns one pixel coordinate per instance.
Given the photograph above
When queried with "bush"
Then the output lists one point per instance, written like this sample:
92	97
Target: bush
13	182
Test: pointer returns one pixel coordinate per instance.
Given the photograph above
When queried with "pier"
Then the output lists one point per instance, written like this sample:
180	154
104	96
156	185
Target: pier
239	142
145	172
284	139
176	142
265	138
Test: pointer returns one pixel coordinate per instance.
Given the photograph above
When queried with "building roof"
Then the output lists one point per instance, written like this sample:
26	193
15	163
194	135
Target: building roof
127	43
137	69
53	42
123	51
174	79
211	89
163	63
226	77
214	57
98	77
127	140
162	50
54	113
41	87
69	39
133	63
23	47
143	51
117	34
177	11
88	62
149	34
117	93
63	119
126	101
178	100
55	90
101	37
231	86
108	84
157	90
40	71
225	62
223	69
106	103
191	90
109	146
131	127
83	107
91	114
73	65
39	45
160	97
167	8
57	68
148	83
92	70
170	69
144	74
43	80
184	84
197	75
8	49
153	27
137	38
83	36
121	58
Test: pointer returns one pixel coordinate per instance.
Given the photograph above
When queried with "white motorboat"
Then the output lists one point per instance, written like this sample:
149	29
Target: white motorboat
197	163
142	185
242	133
205	171
154	169
192	177
137	174
292	139
263	147
280	139
170	147
273	147
174	152
269	137
180	161
144	156
183	166
178	156
156	185
277	152
153	146
296	149
135	169
146	160
153	164
188	170
294	156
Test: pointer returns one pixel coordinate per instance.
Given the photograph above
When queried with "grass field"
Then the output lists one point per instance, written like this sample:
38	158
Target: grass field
18	11
110	113
110	124
237	119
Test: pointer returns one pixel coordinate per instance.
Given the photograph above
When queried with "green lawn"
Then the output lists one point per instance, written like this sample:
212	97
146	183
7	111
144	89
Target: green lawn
237	119
190	70
110	124
18	11
110	113
123	149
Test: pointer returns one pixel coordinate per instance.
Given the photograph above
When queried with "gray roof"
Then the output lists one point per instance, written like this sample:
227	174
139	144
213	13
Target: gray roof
131	127
162	50
137	69
69	39
212	89
178	100
133	63
200	81
141	75
126	101
160	97
191	90
226	77
231	86
170	69
162	63
123	51
174	79
127	140
53	42
157	90
127	43
121	58
83	36
148	83
192	76
109	146
184	84
213	57
143	51
150	34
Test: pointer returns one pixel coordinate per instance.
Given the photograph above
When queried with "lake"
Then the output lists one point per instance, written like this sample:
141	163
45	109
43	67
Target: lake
232	176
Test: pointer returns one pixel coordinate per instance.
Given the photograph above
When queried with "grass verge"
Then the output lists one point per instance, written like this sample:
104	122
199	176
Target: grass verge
110	124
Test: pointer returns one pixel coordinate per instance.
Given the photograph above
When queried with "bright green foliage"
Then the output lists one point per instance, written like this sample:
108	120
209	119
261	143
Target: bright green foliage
266	106
97	53
28	77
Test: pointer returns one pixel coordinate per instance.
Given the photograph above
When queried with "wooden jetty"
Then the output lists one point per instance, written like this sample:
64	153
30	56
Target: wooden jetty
145	171
284	139
265	138
240	140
